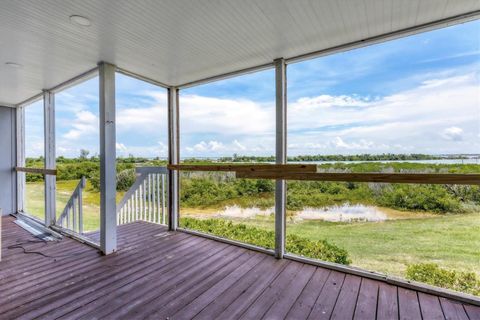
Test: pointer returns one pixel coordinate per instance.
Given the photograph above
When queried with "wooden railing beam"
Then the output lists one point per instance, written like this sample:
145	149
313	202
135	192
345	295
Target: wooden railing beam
416	178
43	171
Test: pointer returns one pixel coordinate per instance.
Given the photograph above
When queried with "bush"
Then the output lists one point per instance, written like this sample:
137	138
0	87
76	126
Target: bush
125	179
431	273
434	198
321	250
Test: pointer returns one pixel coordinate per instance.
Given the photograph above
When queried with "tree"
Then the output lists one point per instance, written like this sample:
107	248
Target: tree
84	154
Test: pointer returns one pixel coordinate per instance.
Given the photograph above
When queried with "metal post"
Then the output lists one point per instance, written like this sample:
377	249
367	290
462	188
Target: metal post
108	211
280	154
50	180
20	144
173	158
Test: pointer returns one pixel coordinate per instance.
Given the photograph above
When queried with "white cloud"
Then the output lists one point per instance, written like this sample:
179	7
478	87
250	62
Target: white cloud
120	147
239	145
453	133
207	146
85	123
442	115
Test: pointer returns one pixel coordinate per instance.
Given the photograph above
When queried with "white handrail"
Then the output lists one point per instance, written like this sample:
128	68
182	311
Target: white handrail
72	215
145	200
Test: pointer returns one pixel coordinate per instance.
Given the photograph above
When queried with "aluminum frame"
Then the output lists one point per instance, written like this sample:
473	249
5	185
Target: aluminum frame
20	157
50	161
108	210
142	78
280	154
173	157
228	241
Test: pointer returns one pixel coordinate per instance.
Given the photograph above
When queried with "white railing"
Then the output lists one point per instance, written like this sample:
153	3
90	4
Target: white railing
72	216
146	198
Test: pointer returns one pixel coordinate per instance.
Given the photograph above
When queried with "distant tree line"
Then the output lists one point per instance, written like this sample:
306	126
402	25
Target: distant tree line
335	157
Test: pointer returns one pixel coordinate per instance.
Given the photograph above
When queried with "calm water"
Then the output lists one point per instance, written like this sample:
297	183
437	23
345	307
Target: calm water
439	161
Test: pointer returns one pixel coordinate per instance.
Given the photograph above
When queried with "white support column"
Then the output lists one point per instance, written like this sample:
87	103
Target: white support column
280	154
20	148
173	158
108	211
50	163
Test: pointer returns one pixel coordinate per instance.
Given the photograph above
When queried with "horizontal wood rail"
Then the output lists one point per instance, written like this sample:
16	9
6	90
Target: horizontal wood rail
284	168
418	178
52	172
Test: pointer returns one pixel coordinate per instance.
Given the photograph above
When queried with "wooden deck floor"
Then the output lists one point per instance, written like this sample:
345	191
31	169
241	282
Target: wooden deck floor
159	275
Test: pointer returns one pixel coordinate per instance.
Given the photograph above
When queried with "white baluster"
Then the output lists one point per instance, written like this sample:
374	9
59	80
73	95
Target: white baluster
163	199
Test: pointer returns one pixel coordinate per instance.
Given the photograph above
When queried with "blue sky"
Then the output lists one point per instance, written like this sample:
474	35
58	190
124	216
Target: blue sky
415	94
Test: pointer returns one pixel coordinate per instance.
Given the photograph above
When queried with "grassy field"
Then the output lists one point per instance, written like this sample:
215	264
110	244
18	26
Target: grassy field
452	241
91	201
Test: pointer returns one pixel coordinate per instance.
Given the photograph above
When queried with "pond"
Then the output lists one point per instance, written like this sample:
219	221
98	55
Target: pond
343	213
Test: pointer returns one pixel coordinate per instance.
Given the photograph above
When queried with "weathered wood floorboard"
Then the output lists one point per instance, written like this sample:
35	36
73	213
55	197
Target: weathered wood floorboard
158	274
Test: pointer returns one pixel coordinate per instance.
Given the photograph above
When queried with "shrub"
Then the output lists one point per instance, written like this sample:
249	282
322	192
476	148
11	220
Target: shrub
321	249
434	198
431	273
125	179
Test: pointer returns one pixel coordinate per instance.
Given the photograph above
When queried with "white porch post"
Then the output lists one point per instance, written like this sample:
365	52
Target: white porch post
280	154
50	163
173	158
20	149
108	211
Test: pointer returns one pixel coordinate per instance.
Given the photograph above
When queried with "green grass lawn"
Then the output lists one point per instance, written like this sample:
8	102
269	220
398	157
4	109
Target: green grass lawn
91	201
452	241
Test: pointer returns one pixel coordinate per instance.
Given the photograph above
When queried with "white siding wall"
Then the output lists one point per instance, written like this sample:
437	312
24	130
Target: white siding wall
7	160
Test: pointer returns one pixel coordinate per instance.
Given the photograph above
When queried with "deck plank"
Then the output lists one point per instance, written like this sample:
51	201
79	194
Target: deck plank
225	261
473	312
453	310
272	292
250	294
367	300
182	296
287	298
387	307
408	304
134	293
325	303
305	302
430	306
160	274
345	306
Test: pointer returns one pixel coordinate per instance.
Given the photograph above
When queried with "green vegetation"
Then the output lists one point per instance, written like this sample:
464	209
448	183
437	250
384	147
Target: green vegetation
335	157
432	274
217	189
319	249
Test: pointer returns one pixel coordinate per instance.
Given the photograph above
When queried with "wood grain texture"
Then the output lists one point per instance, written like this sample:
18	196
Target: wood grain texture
160	274
417	178
51	172
387	306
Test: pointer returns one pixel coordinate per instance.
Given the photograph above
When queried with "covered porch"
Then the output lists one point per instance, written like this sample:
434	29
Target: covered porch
141	263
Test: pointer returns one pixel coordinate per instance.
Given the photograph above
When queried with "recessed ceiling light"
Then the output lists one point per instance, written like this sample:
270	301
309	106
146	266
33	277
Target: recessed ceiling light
81	21
13	64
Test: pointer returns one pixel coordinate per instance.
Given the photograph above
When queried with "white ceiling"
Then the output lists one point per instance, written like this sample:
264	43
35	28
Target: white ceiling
179	41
